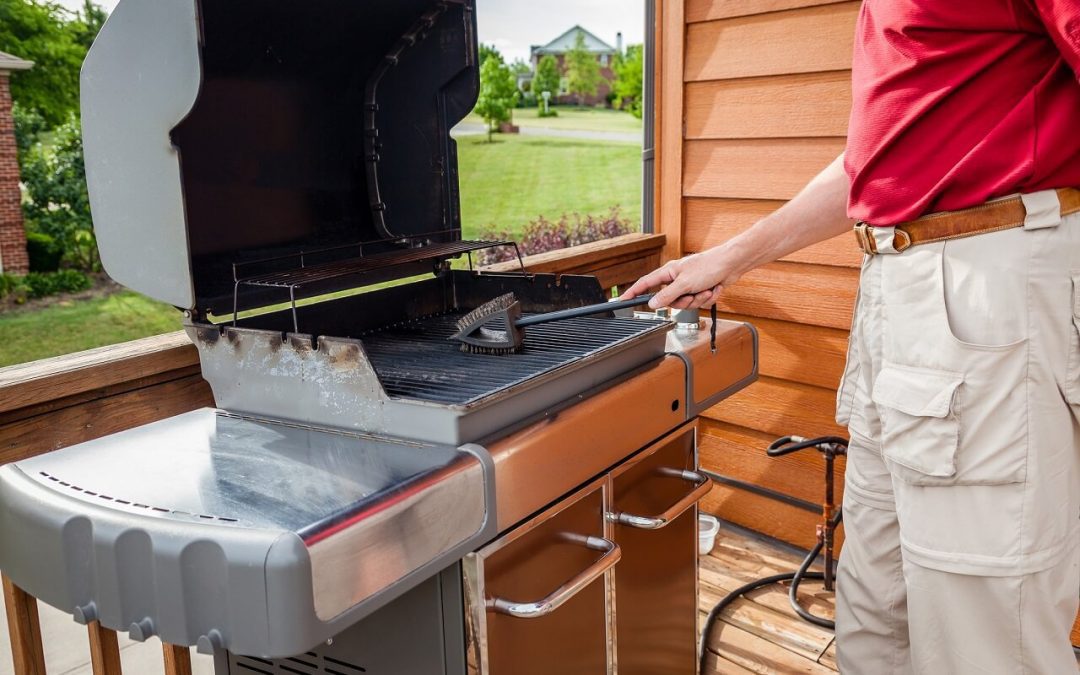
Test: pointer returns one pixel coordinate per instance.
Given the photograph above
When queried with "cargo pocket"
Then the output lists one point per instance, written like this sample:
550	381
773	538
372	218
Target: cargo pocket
920	429
1072	374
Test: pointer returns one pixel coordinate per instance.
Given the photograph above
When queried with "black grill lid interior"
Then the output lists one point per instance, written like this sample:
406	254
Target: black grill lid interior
322	124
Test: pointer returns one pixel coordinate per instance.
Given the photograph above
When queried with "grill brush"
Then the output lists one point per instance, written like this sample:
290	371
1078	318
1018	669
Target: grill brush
497	327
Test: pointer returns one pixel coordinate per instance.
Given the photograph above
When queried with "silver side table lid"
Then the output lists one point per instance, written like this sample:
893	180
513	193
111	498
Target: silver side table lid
220	531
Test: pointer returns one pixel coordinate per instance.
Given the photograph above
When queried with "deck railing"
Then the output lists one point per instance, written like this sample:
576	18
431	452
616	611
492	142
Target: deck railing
55	403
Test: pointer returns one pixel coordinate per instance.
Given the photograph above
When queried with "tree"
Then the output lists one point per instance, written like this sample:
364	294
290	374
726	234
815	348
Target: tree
629	80
498	93
582	70
547	76
56	42
520	67
488	51
93	17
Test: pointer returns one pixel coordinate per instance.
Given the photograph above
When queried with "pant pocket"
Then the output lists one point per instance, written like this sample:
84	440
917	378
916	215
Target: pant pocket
1072	374
944	428
920	430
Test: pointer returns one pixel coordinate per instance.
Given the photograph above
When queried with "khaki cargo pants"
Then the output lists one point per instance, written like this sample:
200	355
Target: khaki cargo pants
962	502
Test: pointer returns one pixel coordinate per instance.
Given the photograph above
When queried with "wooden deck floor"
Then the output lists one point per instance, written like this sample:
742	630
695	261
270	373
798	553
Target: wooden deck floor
761	634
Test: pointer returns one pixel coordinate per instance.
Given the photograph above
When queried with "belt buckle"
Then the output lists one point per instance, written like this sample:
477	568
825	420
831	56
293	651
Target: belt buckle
865	238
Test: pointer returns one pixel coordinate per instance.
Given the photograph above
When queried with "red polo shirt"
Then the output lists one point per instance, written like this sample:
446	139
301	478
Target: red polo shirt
960	101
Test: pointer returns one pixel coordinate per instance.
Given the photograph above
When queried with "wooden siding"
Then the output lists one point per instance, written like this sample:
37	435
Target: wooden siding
764	102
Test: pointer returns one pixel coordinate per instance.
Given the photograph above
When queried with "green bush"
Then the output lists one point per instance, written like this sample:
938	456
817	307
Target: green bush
57	203
45	254
42	284
13	287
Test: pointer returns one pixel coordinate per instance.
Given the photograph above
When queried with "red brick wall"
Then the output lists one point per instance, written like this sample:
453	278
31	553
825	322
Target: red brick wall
12	237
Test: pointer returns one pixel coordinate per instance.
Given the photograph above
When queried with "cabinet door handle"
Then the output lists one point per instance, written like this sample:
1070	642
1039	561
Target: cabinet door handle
533	610
702	484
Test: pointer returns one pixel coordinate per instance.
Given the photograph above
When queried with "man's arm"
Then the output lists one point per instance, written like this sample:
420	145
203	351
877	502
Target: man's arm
817	213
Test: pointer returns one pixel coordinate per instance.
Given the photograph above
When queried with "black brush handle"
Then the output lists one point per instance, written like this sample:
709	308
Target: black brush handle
589	310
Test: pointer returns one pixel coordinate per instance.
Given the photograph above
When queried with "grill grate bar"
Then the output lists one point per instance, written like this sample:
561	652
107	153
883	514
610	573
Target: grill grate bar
418	360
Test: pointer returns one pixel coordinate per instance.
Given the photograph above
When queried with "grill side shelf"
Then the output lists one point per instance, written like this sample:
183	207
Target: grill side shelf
266	584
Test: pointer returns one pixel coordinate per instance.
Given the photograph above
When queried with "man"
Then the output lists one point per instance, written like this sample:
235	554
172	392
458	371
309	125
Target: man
962	390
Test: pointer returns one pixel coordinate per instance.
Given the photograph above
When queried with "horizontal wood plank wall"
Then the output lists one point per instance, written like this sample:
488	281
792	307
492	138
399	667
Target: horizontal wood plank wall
766	103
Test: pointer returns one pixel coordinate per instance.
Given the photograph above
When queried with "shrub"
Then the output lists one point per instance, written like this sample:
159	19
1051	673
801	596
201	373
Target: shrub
45	254
13	288
542	235
44	284
56	201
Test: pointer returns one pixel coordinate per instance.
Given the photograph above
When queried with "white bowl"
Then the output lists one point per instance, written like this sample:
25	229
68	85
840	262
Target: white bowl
708	527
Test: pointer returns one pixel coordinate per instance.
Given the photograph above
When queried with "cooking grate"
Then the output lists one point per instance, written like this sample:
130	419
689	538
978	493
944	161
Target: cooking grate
417	359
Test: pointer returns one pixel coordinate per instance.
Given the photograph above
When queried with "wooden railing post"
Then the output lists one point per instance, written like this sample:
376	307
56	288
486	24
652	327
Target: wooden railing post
104	650
177	660
25	630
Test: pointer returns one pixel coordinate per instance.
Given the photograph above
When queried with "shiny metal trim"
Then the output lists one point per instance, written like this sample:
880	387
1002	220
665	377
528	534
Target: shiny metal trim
558	597
403	531
473	565
702	485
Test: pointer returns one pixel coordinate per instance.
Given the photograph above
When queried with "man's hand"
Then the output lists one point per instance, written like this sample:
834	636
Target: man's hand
692	282
817	213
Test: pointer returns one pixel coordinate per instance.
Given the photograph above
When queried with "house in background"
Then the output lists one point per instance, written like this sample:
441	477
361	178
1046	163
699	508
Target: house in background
13	258
605	56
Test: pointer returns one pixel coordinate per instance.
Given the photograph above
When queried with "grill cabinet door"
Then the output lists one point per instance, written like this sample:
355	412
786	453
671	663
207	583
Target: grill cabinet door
655	514
538	598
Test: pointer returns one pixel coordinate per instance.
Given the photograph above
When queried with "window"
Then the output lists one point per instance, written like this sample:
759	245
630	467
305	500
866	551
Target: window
577	163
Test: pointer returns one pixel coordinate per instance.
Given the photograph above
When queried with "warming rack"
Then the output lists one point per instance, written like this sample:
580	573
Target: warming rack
298	270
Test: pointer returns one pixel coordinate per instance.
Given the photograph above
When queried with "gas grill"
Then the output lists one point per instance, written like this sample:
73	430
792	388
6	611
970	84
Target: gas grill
283	173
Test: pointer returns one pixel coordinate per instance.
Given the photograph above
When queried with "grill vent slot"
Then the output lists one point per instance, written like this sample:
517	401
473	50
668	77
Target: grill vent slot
310	663
137	505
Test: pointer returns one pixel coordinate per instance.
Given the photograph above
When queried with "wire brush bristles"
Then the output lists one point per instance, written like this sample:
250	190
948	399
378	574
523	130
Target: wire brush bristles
499	304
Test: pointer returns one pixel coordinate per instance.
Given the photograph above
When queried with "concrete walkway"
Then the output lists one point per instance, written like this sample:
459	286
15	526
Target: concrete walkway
467	129
67	649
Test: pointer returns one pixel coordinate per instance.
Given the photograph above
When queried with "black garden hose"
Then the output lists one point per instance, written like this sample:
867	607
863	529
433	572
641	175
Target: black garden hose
795	578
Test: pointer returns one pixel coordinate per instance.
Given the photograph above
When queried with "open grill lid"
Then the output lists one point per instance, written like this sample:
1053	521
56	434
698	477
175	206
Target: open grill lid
260	139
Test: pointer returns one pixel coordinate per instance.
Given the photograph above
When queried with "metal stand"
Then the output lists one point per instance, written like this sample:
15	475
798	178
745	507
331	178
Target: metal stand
830	447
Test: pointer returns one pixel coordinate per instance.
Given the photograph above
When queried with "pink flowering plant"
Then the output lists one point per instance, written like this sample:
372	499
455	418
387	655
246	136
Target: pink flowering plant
543	235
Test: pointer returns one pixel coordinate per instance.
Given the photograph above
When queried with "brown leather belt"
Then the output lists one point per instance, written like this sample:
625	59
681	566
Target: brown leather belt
1001	214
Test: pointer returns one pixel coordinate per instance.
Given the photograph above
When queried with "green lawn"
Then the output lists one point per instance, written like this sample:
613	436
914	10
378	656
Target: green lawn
571	117
514	180
75	326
